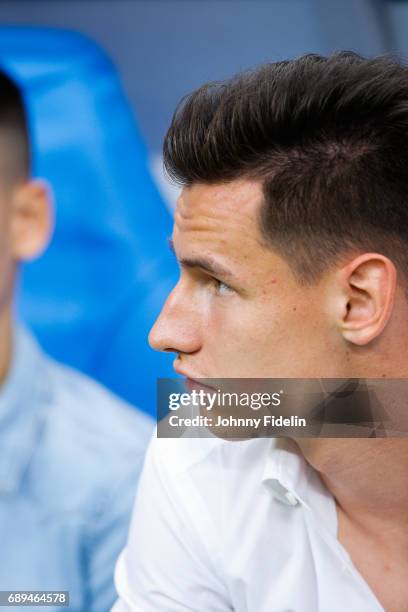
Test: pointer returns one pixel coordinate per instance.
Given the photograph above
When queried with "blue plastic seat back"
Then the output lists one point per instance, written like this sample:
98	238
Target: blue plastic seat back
93	296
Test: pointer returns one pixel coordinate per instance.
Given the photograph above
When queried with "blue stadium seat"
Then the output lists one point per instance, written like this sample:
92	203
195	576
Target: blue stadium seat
93	296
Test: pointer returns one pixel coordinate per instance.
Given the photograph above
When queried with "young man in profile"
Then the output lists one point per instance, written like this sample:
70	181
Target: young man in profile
71	453
292	237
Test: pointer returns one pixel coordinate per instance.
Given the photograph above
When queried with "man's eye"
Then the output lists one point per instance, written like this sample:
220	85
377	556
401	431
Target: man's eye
222	288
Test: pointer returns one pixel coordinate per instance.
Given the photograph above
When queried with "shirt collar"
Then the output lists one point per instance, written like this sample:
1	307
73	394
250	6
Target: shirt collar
285	472
294	482
24	396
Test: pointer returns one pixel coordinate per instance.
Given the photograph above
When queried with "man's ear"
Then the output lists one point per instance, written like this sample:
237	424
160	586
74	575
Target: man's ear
368	286
31	219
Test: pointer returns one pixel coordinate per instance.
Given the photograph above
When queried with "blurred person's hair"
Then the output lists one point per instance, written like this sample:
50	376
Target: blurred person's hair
328	139
14	138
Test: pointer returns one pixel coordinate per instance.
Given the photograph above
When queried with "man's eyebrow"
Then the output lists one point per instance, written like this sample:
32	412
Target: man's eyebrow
206	264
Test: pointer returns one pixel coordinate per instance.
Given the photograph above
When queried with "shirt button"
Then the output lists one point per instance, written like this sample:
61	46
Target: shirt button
291	498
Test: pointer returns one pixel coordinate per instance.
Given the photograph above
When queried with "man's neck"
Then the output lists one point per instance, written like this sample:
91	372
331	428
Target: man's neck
368	479
5	343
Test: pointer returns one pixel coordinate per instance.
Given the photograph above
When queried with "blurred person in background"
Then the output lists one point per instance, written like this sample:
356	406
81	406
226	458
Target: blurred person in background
292	237
71	452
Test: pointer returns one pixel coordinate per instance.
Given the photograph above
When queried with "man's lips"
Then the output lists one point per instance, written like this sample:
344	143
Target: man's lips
194	382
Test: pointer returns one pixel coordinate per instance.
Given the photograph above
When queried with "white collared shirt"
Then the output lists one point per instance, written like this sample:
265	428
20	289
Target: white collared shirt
244	526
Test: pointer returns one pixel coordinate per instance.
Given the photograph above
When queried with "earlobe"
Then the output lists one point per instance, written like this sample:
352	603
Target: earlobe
31	221
370	281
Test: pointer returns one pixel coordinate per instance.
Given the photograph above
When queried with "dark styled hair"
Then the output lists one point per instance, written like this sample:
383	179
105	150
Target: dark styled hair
328	139
14	139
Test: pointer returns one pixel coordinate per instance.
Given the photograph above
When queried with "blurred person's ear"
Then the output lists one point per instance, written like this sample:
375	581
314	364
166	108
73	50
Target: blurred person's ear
32	219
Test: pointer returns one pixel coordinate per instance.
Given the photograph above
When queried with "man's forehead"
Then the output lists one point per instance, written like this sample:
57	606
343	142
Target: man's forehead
220	221
238	199
219	216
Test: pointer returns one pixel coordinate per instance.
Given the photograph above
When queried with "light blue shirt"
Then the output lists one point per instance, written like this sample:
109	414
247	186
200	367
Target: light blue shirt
70	458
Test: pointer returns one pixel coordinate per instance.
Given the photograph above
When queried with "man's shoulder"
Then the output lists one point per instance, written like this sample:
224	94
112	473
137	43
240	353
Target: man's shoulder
84	445
206	480
91	447
92	415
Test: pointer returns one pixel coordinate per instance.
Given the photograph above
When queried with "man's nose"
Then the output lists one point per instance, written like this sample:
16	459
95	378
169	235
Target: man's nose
177	328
